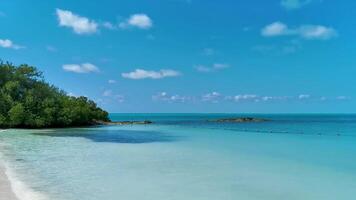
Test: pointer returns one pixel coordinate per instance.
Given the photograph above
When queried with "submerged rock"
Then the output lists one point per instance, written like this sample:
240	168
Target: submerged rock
239	120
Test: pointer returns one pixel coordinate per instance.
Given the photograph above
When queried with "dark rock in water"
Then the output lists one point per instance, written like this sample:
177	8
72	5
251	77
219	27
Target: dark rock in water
124	122
239	120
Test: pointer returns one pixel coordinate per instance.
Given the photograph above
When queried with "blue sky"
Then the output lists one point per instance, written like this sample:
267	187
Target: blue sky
276	56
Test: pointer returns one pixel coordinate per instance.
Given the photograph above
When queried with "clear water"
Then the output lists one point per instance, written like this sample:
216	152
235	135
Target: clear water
183	156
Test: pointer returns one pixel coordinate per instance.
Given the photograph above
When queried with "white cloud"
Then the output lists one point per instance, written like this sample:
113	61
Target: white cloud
202	68
80	25
257	98
213	97
317	32
304	31
108	25
214	67
323	98
141	21
119	98
220	66
2	14
51	48
304	96
267	98
245	97
6	43
111	96
276	49
161	96
216	97
275	29
294	4
208	52
111	81
164	96
80	68
342	98
144	74
107	93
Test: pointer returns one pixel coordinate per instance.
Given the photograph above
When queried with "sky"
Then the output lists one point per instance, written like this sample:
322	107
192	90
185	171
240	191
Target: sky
226	56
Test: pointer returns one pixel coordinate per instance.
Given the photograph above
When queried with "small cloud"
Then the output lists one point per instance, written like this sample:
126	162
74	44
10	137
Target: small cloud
6	43
294	4
275	29
119	98
108	25
216	97
317	32
215	67
287	48
220	66
111	96
213	97
111	81
2	14
80	68
80	25
202	68
245	97
342	98
304	96
51	48
145	74
309	32
256	98
164	96
107	93
208	52
141	21
161	96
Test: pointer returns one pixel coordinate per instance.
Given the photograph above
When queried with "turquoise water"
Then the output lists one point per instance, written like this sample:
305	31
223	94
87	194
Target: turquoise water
183	156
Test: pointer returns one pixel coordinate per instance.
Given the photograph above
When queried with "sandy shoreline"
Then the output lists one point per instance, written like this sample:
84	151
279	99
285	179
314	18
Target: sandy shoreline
5	186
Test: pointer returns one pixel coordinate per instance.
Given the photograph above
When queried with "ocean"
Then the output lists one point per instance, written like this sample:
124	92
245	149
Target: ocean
187	157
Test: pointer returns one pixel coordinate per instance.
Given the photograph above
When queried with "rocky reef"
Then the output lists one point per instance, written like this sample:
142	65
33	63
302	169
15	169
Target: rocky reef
239	120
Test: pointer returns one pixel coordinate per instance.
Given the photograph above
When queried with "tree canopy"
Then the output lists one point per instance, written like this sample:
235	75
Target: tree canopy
27	101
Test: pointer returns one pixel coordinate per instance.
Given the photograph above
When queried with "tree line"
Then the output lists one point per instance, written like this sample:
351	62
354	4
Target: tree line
27	101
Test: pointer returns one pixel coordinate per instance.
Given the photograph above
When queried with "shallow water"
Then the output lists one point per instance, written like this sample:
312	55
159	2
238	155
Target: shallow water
184	156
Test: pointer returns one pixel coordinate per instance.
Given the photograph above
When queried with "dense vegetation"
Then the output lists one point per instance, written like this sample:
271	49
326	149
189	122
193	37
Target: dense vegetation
27	101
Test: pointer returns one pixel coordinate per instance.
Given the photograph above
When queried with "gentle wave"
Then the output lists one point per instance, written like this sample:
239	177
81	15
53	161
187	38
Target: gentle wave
19	188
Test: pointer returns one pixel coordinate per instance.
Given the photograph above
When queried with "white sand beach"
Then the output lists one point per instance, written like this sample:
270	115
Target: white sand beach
6	192
5	186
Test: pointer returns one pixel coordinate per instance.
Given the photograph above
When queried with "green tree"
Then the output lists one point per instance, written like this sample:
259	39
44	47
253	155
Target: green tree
26	100
17	114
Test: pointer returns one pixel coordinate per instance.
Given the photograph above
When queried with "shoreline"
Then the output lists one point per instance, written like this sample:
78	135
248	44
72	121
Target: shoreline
12	188
6	191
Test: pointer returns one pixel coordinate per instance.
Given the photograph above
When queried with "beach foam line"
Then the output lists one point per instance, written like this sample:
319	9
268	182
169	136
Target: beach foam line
19	188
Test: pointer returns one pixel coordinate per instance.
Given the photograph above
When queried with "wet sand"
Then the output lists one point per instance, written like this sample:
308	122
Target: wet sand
5	187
